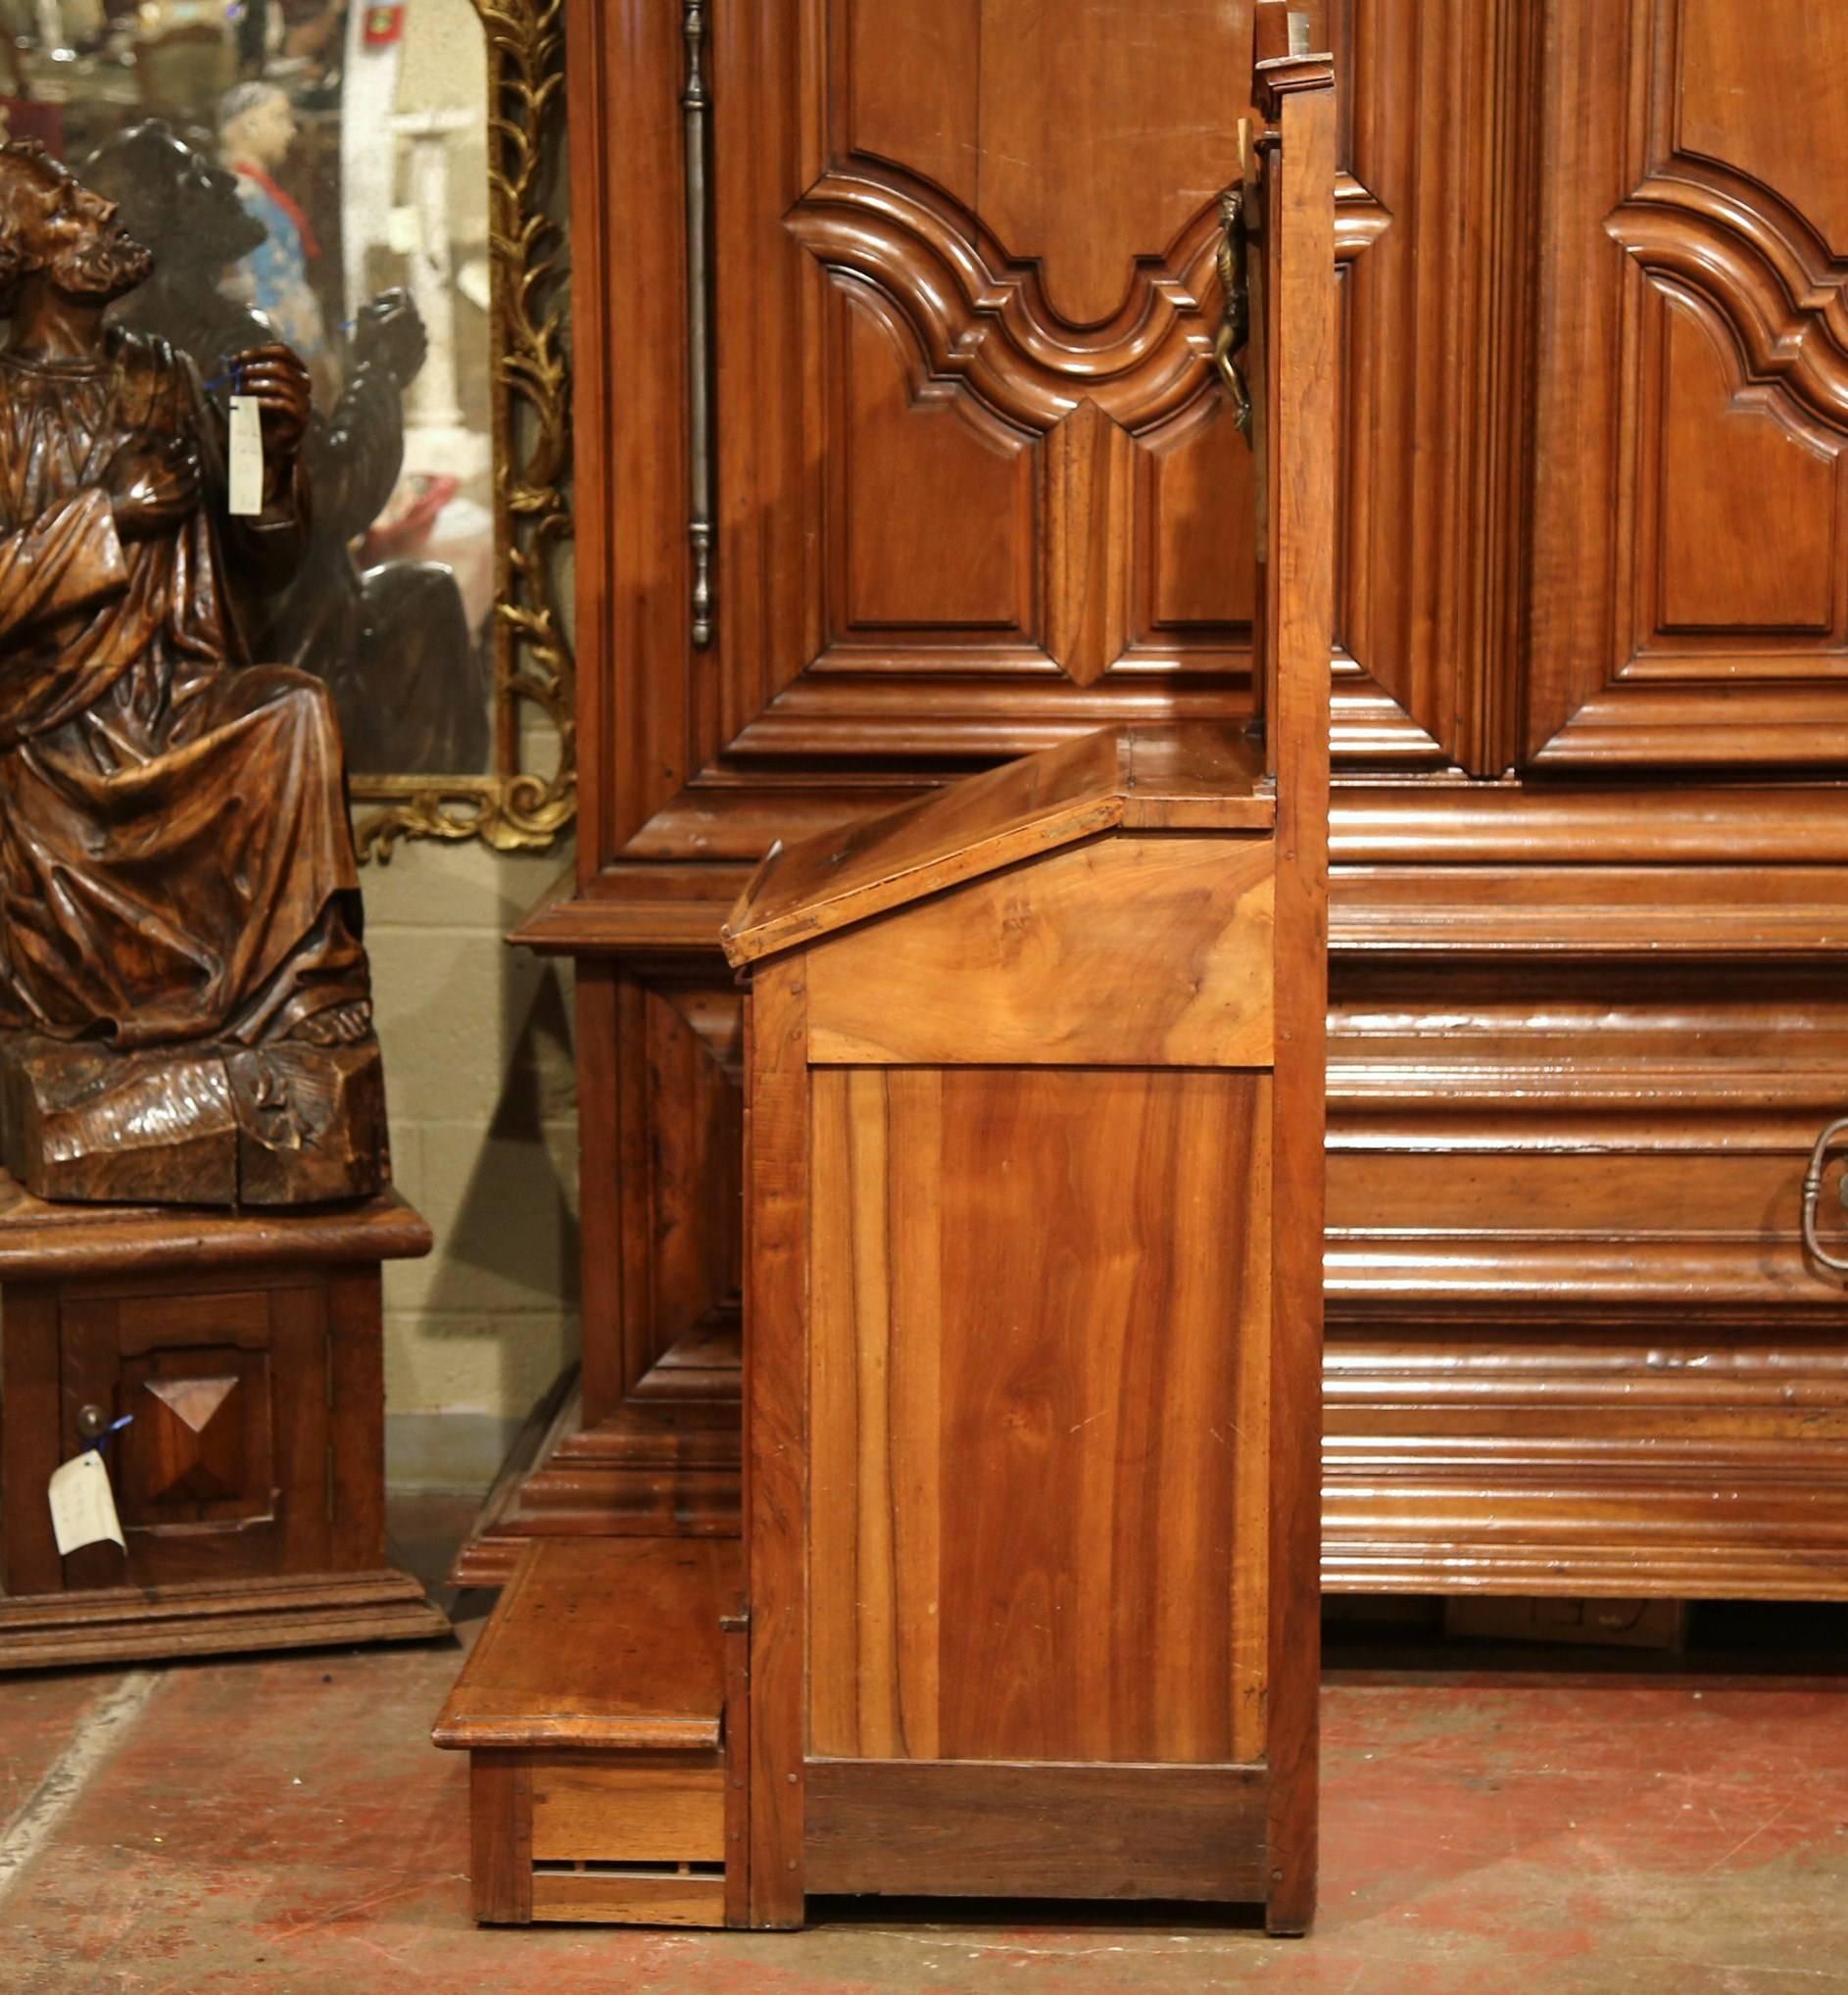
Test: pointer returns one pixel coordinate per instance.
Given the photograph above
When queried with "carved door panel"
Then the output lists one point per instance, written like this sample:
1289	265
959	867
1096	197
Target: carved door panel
978	485
1690	599
223	1471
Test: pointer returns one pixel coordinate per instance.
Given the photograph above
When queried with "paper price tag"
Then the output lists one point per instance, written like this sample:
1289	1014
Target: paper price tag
246	454
83	1506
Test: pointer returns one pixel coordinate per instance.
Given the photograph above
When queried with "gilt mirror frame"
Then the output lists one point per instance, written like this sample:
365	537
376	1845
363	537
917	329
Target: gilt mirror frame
514	807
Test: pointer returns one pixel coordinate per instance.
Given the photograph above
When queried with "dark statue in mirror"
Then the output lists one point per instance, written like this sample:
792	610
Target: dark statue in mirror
184	1001
392	642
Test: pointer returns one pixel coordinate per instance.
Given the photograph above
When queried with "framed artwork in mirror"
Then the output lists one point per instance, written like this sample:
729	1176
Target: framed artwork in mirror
372	184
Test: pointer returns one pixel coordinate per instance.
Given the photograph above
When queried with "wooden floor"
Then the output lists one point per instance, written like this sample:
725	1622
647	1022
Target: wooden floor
281	1826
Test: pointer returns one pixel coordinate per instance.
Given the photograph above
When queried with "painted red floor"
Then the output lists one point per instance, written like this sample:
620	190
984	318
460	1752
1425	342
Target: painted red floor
281	1824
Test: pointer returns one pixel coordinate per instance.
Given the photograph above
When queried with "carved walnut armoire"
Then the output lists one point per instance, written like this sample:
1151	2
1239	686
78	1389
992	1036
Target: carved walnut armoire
901	451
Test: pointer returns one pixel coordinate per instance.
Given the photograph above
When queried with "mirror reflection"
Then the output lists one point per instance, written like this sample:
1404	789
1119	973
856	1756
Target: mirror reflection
316	172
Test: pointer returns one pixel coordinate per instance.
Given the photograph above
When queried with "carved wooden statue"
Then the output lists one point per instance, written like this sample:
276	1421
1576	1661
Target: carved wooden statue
184	994
392	641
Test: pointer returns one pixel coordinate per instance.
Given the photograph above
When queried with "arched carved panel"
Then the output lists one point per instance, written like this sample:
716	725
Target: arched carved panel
982	316
1756	260
1692	565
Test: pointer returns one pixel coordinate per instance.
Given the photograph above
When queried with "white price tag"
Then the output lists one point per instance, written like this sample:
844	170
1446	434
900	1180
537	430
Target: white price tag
246	452
83	1506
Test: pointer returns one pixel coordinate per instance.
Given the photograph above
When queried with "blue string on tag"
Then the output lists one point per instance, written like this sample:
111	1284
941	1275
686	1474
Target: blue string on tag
113	1428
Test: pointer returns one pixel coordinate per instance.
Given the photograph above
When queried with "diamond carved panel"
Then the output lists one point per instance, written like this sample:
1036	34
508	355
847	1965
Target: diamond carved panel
195	1440
199	1448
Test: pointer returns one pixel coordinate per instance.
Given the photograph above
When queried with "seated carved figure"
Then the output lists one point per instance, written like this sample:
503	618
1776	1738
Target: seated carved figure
183	994
392	642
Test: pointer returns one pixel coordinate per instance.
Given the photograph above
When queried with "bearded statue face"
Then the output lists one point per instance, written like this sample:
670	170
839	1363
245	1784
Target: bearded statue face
89	252
50	222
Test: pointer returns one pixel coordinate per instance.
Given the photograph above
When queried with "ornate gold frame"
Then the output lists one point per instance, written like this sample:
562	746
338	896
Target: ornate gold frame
513	808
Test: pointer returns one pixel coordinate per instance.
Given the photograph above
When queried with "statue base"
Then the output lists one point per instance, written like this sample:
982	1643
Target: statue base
250	1481
291	1124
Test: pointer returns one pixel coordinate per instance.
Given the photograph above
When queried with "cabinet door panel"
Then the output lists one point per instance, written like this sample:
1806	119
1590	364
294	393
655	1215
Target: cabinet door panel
223	1470
1733	477
976	248
975	480
1690	525
931	520
1027	1414
976	485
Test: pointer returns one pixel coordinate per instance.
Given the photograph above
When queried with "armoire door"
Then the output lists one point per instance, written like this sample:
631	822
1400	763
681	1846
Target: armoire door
1690	601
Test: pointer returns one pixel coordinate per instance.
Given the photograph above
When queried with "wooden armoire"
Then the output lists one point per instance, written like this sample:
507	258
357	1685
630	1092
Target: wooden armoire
901	451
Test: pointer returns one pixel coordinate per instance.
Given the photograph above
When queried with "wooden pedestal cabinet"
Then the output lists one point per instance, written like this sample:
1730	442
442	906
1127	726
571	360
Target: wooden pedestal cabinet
250	1480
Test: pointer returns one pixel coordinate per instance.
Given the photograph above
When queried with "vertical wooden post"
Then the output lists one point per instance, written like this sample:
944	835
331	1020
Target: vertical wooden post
31	1436
501	1837
607	1139
1294	89
776	1430
735	1630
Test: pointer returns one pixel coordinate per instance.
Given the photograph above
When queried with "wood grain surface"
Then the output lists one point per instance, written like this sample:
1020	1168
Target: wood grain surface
607	1643
994	1830
1593	257
117	1625
1131	952
1153	777
589	1897
1297	444
778	1192
1036	1420
38	1238
628	1807
500	1838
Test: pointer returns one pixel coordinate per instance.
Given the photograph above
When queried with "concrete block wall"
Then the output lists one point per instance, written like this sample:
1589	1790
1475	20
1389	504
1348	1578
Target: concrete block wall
481	1085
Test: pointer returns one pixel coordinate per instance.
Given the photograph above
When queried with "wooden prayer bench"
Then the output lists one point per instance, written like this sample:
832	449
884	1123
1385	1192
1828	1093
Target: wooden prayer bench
1032	1278
602	1710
